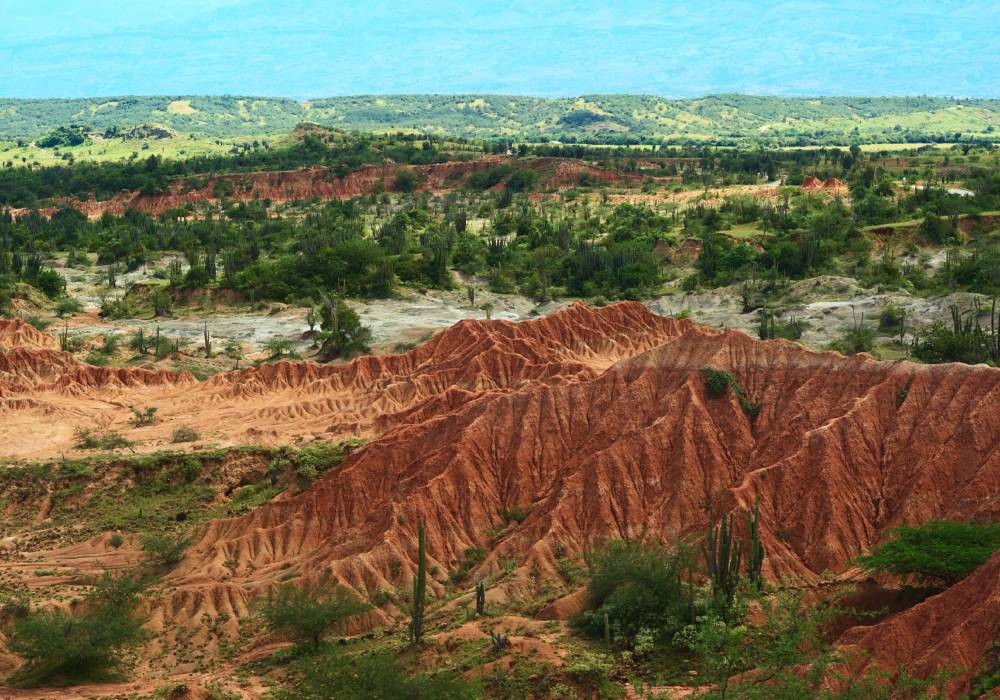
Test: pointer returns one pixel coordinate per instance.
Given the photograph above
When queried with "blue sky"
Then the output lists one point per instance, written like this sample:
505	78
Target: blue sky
316	48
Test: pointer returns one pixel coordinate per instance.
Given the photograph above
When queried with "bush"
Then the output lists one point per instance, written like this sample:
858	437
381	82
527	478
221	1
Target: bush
637	586
164	551
344	335
315	458
85	643
66	306
185	434
938	552
891	318
718	382
362	677
858	338
308	613
87	439
142	417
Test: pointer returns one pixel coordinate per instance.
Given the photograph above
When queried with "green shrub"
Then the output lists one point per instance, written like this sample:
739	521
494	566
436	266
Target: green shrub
85	643
66	306
891	317
636	586
142	417
308	613
516	514
185	433
939	552
164	551
316	457
718	382
87	439
470	558
333	675
856	338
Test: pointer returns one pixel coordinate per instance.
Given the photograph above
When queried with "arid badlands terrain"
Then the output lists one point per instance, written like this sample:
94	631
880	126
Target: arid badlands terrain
593	423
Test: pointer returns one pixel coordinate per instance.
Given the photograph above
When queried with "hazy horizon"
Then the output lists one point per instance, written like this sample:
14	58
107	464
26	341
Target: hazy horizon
544	48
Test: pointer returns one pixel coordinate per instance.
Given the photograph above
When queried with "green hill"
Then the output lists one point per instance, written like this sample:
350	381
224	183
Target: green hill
593	118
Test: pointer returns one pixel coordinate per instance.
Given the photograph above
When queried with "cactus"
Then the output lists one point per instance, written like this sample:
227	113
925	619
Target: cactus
755	550
723	552
607	631
64	344
208	340
480	598
419	587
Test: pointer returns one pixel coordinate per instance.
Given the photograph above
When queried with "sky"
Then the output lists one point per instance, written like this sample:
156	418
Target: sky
319	48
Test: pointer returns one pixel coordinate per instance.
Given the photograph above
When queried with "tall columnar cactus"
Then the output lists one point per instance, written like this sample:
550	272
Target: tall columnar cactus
480	598
755	549
419	587
723	552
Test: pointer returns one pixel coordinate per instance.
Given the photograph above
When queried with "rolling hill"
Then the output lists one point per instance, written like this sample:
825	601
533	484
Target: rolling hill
727	118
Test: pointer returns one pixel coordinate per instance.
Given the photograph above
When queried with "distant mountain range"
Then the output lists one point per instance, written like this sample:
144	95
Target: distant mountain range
602	118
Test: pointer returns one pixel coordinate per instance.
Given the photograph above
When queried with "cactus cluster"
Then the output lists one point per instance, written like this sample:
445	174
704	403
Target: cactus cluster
724	553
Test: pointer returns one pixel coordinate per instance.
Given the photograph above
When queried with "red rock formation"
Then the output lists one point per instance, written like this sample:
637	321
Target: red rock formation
294	185
812	183
639	449
955	629
17	333
597	423
834	184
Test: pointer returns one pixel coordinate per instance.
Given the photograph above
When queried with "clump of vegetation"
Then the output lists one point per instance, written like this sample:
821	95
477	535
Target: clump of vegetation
938	553
185	433
88	439
857	338
769	328
637	588
470	558
84	643
515	514
279	349
67	306
308	613
342	335
718	382
164	550
333	674
142	416
966	340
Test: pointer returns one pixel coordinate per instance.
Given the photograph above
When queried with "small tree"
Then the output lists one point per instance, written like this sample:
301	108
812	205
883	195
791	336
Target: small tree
940	552
234	351
308	613
164	551
312	318
161	302
86	642
343	333
277	348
